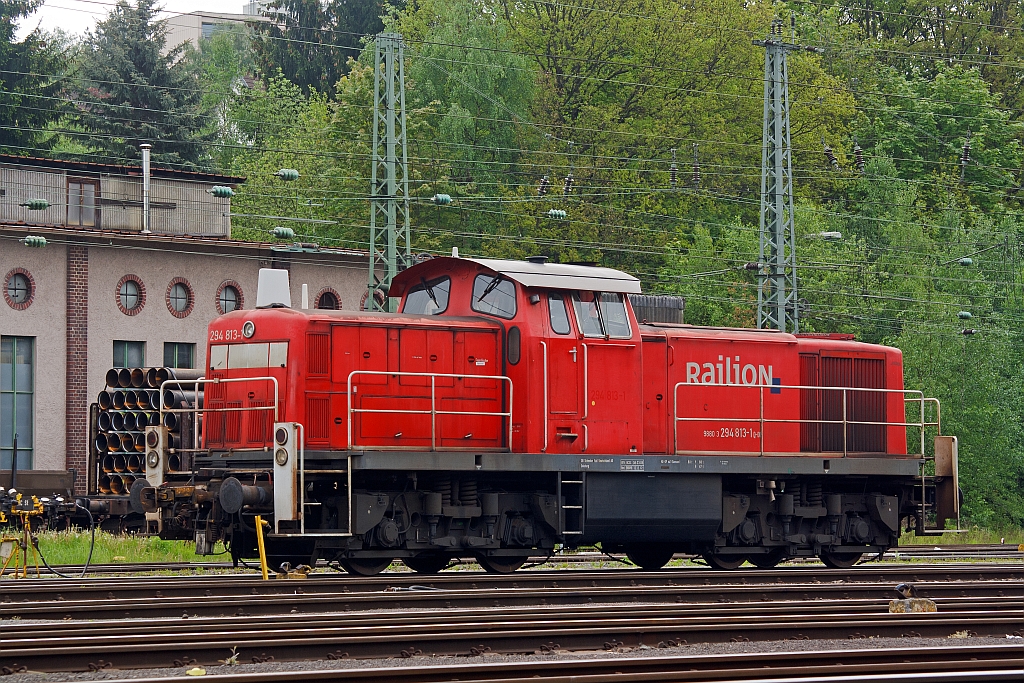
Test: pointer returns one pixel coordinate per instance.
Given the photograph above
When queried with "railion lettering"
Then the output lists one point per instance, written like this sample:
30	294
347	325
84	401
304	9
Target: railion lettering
729	370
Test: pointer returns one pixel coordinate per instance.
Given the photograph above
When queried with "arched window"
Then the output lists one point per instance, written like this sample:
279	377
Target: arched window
328	300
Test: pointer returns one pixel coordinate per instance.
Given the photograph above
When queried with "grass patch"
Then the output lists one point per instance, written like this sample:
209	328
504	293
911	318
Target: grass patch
72	547
974	535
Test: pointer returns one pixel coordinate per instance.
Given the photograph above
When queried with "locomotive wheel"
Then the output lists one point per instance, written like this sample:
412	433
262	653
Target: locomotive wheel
767	560
427	563
500	565
365	566
723	562
649	558
839	560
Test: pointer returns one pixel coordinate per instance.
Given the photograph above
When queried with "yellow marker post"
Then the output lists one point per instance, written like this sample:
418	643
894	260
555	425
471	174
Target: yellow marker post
263	548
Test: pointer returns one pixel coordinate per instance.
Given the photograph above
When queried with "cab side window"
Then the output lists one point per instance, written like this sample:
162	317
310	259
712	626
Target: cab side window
428	298
613	313
557	313
601	314
494	295
588	317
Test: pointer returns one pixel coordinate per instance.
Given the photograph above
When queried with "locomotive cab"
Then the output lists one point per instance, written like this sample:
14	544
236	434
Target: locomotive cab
571	340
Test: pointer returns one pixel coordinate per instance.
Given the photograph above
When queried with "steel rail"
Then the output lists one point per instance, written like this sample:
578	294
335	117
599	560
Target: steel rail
1000	662
15	631
292	597
448	633
122	587
958	551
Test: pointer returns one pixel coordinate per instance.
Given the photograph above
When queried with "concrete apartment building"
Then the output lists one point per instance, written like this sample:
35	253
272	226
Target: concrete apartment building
194	26
101	293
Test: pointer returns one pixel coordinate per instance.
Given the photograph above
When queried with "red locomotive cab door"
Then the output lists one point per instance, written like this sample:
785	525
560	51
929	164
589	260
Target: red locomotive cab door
564	370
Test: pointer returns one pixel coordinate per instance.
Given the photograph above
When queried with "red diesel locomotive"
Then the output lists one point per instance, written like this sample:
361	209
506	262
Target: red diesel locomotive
512	407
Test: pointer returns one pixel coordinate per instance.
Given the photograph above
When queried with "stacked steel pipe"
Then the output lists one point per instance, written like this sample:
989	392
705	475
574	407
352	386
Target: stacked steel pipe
182	394
131	402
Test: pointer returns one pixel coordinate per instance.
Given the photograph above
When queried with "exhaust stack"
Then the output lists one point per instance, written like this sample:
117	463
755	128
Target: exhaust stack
145	147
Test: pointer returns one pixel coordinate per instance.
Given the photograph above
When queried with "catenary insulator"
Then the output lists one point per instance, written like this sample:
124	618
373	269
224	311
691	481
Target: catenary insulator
33	241
830	155
222	191
287	174
567	187
545	182
858	157
442	199
282	233
35	204
557	214
673	171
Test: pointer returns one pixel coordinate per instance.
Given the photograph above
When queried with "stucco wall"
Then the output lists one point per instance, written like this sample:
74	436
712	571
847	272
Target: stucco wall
155	324
44	320
157	265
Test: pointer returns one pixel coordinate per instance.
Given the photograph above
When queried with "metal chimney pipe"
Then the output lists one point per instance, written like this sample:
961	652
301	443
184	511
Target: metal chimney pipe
145	147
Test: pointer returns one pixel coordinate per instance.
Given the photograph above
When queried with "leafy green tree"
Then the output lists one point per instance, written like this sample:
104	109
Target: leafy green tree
226	68
132	92
923	123
32	73
311	41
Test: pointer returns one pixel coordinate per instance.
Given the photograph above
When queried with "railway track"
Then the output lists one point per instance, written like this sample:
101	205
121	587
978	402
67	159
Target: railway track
937	552
934	664
151	643
212	596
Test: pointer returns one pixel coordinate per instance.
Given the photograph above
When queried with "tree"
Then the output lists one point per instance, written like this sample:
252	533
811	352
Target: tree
310	41
225	65
132	92
31	81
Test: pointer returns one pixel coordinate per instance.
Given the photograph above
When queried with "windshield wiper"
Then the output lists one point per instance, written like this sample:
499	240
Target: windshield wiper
430	291
489	288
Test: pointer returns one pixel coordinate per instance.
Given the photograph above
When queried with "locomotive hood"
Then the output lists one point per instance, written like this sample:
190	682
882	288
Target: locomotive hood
528	274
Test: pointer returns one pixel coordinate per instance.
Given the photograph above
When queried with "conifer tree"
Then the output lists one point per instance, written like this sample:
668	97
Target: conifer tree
310	41
134	92
31	81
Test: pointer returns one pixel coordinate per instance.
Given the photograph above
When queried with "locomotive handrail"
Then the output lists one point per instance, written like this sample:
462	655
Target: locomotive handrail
916	396
433	412
195	409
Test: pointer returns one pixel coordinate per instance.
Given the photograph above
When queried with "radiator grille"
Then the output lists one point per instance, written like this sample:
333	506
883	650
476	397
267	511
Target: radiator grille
318	353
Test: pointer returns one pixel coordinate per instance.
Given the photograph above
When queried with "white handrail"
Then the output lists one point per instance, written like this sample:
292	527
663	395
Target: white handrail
195	409
433	412
916	396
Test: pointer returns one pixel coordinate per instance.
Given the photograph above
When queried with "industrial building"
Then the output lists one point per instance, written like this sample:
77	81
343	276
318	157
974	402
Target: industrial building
102	292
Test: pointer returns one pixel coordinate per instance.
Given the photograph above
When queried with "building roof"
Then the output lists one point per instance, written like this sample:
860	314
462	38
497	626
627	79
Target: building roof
119	169
59	234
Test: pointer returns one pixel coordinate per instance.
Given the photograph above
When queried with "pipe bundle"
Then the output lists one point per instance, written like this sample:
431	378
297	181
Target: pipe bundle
129	403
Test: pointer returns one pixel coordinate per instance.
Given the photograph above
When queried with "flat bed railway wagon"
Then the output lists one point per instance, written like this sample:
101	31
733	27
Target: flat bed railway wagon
512	407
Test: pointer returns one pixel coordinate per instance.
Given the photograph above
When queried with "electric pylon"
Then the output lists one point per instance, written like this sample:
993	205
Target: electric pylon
389	190
777	305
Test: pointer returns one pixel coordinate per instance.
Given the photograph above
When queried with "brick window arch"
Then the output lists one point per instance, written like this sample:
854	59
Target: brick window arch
130	294
19	289
179	297
327	299
228	292
377	294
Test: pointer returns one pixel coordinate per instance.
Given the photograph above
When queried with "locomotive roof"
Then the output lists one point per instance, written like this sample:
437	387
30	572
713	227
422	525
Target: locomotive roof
530	274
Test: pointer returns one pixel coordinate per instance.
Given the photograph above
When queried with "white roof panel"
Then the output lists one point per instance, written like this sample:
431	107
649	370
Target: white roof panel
563	275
